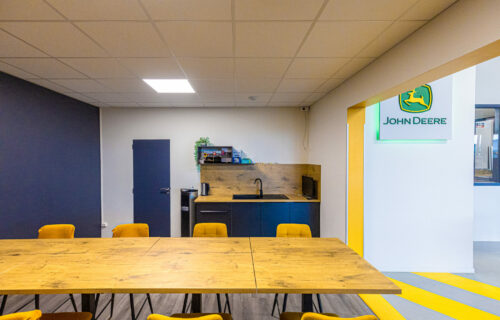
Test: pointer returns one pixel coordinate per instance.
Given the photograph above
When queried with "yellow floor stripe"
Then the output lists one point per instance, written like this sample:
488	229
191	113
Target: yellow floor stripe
464	283
382	309
441	304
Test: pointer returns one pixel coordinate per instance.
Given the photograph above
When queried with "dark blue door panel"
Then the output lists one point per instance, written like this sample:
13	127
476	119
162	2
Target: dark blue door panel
246	221
152	185
272	215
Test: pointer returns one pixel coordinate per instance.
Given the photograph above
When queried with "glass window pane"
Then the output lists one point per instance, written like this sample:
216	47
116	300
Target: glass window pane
486	145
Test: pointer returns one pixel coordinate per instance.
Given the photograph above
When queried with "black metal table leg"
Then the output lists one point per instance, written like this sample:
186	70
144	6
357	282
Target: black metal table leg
307	303
88	304
196	303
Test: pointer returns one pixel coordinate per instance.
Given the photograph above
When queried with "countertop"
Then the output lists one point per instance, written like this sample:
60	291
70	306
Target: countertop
229	198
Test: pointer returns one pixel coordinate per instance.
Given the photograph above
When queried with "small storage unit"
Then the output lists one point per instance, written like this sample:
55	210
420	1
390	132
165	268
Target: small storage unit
259	219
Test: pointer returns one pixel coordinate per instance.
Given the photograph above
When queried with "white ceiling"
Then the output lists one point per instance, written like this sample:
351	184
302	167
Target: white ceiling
279	52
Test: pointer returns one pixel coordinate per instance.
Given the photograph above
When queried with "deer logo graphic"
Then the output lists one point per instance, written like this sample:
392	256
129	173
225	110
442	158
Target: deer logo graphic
416	100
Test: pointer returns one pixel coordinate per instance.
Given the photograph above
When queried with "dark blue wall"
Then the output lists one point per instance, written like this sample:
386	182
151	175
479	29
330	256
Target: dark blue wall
49	161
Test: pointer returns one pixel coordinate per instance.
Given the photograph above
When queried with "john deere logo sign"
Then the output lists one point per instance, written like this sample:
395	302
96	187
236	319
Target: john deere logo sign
416	100
421	113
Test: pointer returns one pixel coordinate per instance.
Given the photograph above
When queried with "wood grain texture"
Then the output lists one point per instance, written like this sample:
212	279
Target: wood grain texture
315	265
229	198
276	178
185	265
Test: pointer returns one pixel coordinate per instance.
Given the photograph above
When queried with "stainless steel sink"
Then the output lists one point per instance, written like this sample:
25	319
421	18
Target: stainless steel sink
257	197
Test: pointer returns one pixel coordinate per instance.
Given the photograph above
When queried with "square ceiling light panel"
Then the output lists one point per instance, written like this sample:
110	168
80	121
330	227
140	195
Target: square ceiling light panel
170	85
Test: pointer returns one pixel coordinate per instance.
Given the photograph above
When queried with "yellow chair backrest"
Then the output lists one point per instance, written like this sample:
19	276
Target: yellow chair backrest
57	231
131	230
162	317
210	230
28	315
293	230
317	316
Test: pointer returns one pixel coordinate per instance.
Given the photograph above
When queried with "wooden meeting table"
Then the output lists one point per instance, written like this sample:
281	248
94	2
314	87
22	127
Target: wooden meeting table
186	265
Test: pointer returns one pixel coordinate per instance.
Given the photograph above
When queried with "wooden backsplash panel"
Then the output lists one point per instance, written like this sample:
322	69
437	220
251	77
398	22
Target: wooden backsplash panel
276	178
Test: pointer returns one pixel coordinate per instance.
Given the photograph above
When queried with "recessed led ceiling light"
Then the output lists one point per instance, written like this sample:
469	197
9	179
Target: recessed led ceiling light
170	85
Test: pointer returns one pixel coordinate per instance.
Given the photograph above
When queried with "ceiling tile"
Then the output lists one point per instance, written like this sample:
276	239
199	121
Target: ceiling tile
212	85
203	68
315	96
315	67
427	9
277	9
365	9
44	67
289	97
83	98
188	9
13	47
211	97
50	85
253	97
261	67
299	85
198	39
58	39
390	37
99	9
110	97
13	71
125	104
167	98
352	67
99	67
27	10
127	38
256	85
345	38
251	104
279	104
153	67
155	104
269	39
82	85
186	98
126	85
329	85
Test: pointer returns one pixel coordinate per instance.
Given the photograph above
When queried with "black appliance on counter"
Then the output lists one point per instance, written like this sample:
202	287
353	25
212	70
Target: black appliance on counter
187	205
309	188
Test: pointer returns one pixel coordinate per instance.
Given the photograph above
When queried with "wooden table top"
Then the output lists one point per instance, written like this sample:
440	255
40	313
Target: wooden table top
185	265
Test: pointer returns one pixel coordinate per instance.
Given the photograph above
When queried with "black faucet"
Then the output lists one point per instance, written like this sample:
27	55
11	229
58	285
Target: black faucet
261	193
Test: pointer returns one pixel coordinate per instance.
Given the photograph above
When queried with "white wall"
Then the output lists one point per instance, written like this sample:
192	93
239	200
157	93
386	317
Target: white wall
487	198
419	196
464	27
266	135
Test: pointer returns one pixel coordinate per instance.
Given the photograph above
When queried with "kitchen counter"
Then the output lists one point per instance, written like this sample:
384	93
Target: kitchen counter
229	198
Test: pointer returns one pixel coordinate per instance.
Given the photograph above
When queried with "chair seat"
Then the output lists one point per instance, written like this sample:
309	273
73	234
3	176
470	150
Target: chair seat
67	316
225	316
298	315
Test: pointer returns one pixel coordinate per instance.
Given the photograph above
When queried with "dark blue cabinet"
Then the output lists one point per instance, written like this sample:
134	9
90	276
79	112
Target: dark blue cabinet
246	219
272	215
259	219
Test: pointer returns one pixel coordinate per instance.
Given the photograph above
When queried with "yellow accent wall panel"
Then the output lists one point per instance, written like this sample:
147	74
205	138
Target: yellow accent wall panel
356	122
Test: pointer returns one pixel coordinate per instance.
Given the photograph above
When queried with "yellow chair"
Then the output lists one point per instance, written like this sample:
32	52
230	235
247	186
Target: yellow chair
319	316
57	231
210	230
50	231
129	230
293	230
37	315
198	316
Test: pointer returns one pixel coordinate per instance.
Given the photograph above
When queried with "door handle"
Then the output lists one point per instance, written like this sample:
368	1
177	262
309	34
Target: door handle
165	190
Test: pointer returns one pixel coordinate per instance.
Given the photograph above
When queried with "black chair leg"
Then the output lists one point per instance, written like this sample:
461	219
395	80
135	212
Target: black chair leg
284	302
149	302
112	305
227	304
275	303
132	309
219	306
2	306
319	304
184	304
73	302
37	301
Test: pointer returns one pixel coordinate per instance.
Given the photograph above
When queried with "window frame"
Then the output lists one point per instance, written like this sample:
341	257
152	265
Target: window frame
496	161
